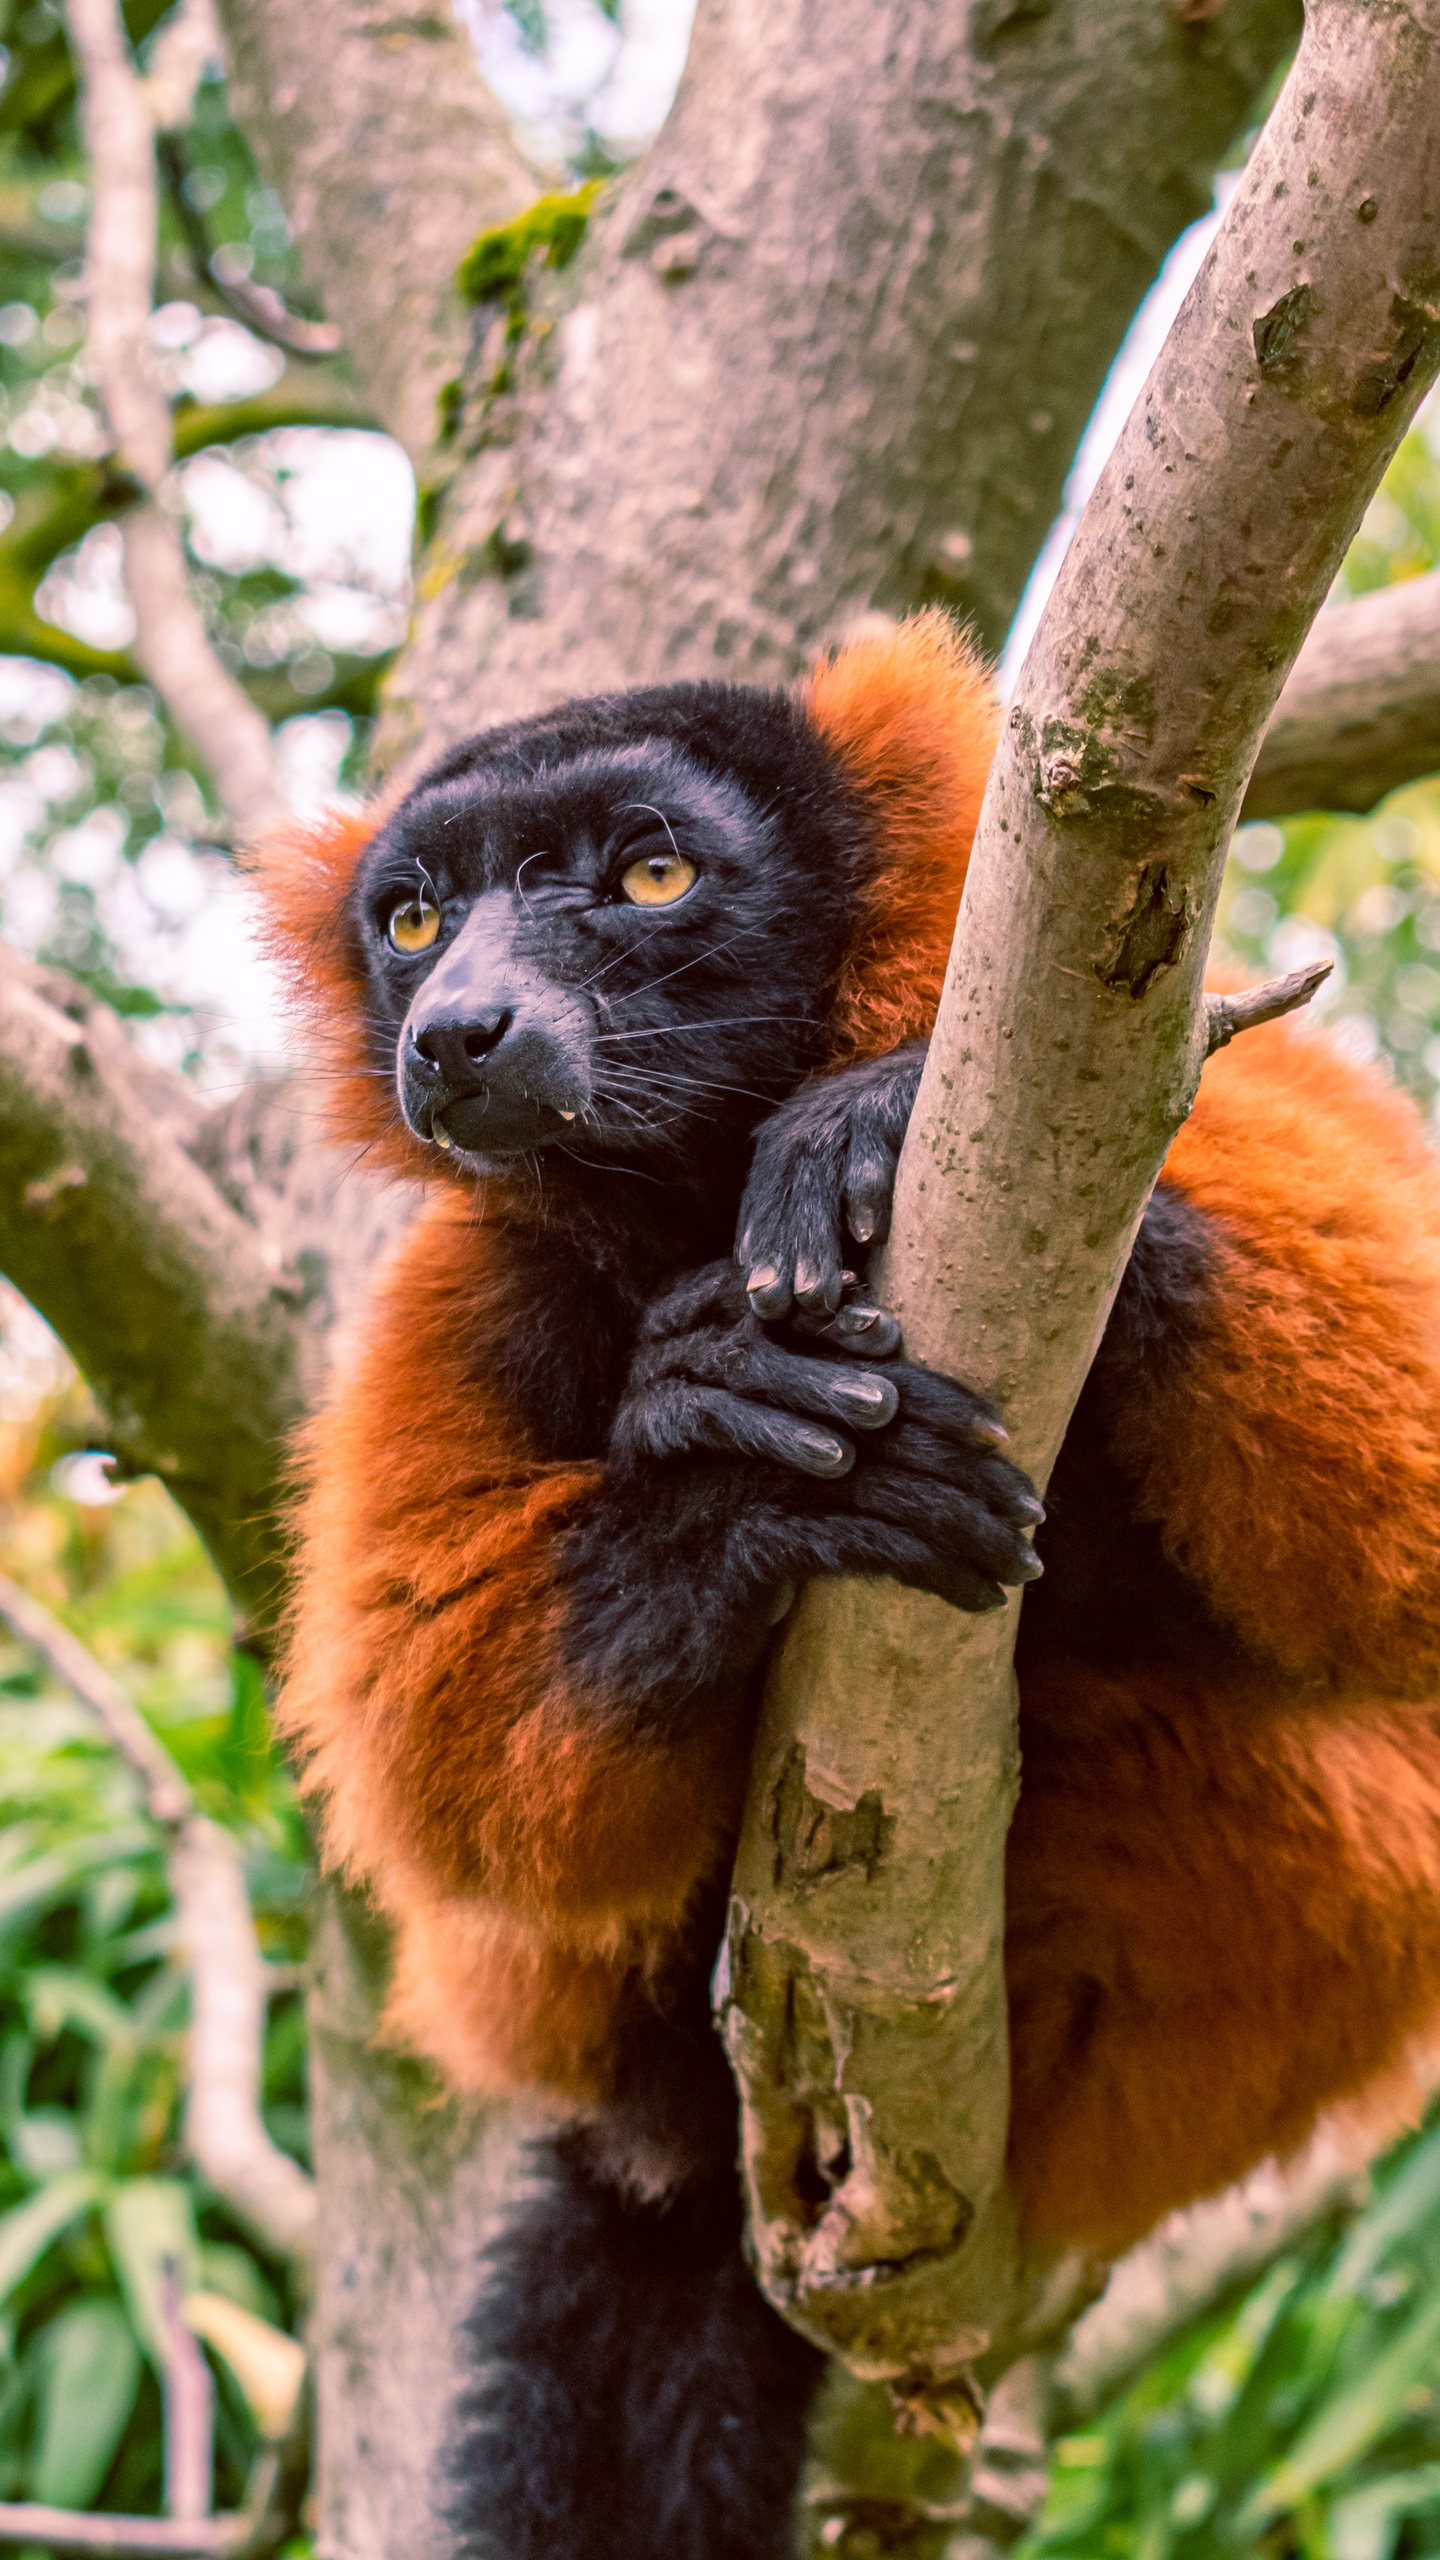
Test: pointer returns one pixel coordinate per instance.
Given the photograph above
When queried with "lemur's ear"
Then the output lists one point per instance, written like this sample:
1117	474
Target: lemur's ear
912	715
302	874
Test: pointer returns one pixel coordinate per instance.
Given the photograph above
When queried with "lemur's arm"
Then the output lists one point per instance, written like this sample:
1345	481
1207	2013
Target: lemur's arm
524	1681
1268	1393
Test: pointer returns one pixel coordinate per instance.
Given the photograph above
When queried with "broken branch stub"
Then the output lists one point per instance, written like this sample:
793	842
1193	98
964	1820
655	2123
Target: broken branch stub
862	1992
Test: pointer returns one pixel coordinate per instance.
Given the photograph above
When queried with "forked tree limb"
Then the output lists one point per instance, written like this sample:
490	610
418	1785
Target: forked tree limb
1360	713
828	347
864	2001
187	1321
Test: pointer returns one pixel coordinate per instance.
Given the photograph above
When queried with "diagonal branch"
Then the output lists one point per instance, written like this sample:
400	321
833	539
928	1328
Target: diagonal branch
171	641
859	2017
188	1330
1361	711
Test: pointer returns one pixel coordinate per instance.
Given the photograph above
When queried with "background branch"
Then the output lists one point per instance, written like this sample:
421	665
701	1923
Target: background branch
193	1260
171	641
1244	469
224	2129
1361	711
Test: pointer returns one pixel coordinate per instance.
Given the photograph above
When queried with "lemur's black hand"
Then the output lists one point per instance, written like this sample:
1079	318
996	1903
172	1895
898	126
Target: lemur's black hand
824	1171
863	1470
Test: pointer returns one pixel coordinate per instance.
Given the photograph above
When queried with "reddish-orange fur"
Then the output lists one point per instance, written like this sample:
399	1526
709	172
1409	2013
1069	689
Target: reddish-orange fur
424	1684
1224	1903
911	715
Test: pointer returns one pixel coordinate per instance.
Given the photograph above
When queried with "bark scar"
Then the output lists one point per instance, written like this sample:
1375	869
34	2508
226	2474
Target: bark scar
815	1840
1150	934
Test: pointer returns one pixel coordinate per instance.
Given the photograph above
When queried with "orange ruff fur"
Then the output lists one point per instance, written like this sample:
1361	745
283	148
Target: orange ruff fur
912	717
1224	1909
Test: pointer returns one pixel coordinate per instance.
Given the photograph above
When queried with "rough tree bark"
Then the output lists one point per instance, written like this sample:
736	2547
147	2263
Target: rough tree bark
870	277
870	320
389	154
864	1991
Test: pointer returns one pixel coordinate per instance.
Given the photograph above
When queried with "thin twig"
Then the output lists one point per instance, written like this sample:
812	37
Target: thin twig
1229	1014
182	53
258	305
225	2132
171	642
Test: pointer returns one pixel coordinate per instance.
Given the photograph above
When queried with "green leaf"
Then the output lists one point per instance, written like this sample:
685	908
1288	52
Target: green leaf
150	2225
1352	2420
59	1996
28	2229
1365	2525
88	2375
1400	2212
41	1882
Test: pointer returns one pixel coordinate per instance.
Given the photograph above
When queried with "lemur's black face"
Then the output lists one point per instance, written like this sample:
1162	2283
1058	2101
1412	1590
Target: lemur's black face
611	928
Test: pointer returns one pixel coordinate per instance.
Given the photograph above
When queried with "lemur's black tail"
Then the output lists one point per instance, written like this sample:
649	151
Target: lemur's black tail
635	2396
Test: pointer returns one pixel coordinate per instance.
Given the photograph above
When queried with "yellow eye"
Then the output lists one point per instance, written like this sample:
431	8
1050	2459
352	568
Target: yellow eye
414	926
658	879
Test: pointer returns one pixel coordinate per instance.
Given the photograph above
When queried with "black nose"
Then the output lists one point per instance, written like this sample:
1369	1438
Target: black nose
456	1049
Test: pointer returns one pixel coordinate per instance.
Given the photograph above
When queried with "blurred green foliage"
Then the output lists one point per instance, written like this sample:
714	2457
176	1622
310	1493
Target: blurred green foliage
96	2195
1303	2424
1362	892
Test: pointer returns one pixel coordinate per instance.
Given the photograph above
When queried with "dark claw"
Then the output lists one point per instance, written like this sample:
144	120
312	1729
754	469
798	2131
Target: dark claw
815	1452
874	1326
876	1400
819	1292
769	1295
1030	1567
1030	1507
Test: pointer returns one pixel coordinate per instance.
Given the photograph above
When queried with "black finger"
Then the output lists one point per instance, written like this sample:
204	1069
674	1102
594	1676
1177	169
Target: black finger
827	1390
869	1186
952	1411
758	1431
929	1458
868	1547
954	1520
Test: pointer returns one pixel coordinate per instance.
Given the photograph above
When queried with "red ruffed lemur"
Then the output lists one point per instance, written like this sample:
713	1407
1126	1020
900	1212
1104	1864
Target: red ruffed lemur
619	980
